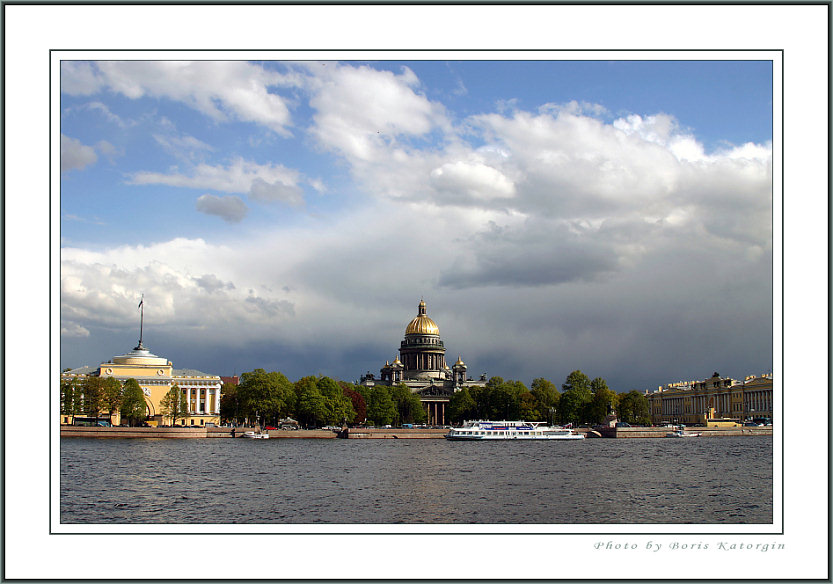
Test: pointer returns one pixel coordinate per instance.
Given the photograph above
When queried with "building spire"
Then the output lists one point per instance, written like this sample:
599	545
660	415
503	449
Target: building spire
141	307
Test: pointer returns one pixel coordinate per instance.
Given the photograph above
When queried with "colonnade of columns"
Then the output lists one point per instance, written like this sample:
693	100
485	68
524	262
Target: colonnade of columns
201	397
758	401
436	413
425	361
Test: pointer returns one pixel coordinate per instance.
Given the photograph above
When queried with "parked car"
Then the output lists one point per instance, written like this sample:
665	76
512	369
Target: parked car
271	428
622	425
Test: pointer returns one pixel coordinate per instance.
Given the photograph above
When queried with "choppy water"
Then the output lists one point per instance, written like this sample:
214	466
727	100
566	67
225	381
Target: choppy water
213	480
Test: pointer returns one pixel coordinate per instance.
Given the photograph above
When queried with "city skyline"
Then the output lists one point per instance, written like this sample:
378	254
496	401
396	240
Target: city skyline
608	216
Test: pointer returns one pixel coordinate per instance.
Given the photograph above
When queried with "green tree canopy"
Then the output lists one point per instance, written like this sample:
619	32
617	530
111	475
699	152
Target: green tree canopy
547	396
269	395
133	405
311	407
338	406
409	408
93	396
174	404
604	401
71	396
634	408
112	395
575	399
380	407
229	402
462	407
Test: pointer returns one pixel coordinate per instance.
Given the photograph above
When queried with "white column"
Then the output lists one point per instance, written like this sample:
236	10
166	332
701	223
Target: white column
188	391
217	401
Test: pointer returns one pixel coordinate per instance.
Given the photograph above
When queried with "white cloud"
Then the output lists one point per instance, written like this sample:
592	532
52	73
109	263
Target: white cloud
75	155
361	112
220	90
73	330
276	191
231	209
472	179
240	176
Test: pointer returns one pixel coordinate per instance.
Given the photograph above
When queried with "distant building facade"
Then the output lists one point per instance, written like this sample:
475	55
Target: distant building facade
715	398
156	376
421	366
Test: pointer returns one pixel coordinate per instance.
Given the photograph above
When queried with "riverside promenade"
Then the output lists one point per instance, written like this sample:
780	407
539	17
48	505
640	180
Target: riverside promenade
379	433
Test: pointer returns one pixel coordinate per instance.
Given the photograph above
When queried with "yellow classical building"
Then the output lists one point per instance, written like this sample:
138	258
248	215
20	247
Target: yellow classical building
717	401
156	376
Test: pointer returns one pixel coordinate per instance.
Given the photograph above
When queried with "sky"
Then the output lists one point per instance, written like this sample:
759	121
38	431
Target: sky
609	216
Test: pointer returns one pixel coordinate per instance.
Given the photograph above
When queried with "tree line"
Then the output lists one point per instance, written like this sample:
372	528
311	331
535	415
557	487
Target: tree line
266	398
96	397
581	401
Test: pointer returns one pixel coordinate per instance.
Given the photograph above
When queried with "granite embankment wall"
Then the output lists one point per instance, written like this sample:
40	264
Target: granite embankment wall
377	433
182	432
637	432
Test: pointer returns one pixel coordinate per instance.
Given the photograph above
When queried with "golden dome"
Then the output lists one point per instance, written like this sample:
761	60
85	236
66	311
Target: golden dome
422	325
459	360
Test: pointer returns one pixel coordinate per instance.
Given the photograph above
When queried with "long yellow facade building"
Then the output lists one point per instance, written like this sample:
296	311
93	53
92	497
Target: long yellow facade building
714	401
156	376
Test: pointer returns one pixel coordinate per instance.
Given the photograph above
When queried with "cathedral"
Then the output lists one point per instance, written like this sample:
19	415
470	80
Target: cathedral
422	367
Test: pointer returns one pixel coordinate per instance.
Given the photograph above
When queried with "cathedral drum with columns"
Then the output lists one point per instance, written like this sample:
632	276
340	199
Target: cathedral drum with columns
421	366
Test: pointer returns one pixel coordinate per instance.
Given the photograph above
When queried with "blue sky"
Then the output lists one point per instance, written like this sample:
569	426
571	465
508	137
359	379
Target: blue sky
608	216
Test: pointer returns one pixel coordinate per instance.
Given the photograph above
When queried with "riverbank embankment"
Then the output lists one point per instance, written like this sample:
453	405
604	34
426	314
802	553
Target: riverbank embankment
378	433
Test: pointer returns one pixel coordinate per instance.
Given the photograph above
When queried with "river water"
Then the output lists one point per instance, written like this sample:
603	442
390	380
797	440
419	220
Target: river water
646	481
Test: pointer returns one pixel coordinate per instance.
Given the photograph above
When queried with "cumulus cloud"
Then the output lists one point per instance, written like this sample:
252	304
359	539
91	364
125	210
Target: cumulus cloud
75	155
187	284
229	208
471	180
361	112
220	90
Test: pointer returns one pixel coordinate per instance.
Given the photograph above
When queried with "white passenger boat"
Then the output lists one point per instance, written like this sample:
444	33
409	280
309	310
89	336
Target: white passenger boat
518	430
257	435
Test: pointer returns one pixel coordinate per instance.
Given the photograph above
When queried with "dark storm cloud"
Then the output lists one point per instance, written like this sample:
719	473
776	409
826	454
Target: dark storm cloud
536	255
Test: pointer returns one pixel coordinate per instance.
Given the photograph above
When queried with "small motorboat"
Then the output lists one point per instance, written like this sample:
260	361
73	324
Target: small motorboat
681	433
256	435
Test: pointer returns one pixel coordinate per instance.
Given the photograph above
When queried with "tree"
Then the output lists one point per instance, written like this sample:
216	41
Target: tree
634	408
269	395
133	405
357	399
311	407
112	396
174	404
70	396
604	401
528	406
409	408
576	397
339	407
93	396
547	396
229	402
380	407
462	406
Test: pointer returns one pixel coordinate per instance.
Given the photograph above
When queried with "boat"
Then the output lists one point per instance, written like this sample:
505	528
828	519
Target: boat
257	435
681	433
515	430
